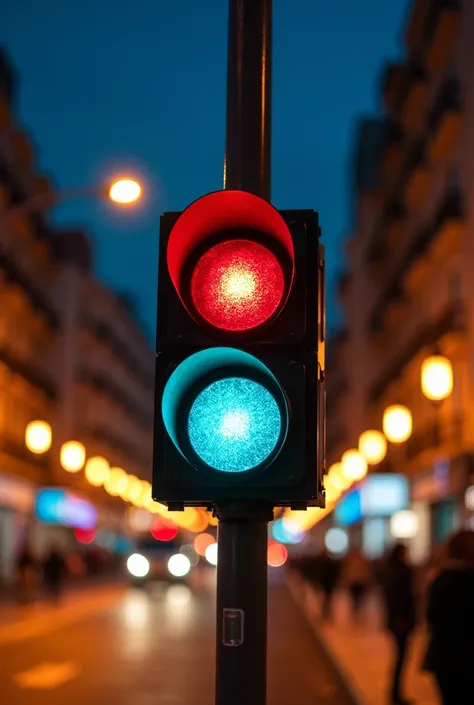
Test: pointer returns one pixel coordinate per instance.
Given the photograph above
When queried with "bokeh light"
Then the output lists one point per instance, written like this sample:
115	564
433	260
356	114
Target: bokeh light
337	477
373	446
437	377
138	565
211	553
237	285
201	542
404	524
282	534
189	551
138	520
164	529
85	536
336	541
179	565
97	470
277	554
234	424
116	482
353	465
397	423
38	437
72	456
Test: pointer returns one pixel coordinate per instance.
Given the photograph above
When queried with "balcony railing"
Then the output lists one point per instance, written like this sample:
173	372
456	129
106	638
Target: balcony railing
28	372
101	383
445	120
441	28
452	320
433	435
450	210
105	334
132	451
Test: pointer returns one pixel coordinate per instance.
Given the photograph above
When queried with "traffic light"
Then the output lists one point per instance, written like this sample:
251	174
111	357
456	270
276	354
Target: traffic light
239	410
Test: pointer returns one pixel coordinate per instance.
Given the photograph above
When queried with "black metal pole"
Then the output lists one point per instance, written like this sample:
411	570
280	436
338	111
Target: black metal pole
241	653
249	77
241	671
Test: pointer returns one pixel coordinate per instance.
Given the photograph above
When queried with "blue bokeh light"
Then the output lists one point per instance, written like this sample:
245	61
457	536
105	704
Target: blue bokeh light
281	533
234	424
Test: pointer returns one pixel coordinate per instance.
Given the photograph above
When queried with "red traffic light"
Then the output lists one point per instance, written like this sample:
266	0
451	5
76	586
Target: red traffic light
237	285
230	257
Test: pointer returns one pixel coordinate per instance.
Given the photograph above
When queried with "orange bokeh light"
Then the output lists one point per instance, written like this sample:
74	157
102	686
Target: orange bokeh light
201	542
277	554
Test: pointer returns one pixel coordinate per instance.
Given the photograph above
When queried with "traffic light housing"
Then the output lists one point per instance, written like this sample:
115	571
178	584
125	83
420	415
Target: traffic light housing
239	410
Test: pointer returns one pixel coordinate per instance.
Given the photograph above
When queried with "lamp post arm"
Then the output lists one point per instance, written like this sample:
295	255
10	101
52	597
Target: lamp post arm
44	201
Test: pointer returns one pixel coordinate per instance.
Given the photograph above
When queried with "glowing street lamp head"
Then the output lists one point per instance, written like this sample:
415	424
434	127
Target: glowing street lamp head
125	191
437	377
373	446
38	437
72	456
397	423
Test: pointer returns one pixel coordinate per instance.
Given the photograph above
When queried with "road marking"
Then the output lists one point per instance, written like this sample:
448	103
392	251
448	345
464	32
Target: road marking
47	675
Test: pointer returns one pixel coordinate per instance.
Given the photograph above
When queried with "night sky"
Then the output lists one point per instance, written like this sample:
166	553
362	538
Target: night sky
139	87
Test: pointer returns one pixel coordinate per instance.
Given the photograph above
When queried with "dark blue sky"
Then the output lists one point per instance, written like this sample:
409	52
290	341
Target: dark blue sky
140	85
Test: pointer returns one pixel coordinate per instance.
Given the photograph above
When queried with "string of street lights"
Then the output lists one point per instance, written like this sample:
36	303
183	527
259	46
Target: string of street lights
397	424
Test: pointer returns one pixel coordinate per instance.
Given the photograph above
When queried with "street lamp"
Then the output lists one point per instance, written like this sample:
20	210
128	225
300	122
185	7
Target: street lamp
436	377
353	465
38	437
72	456
336	477
97	470
332	491
373	446
117	482
397	423
122	191
125	191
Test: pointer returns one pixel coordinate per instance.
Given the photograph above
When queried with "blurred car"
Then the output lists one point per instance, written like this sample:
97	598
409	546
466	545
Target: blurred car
155	560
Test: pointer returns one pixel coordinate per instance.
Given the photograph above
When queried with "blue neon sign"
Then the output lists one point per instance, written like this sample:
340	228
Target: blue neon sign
57	506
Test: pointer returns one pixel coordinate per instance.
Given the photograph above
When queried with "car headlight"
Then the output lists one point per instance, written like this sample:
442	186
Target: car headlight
138	565
179	565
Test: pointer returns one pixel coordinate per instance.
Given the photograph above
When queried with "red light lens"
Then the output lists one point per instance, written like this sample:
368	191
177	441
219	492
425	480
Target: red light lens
237	285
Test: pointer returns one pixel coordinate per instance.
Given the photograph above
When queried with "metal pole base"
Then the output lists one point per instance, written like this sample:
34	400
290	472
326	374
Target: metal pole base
241	649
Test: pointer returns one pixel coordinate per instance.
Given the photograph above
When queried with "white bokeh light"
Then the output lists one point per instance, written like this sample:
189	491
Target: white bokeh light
336	541
211	554
138	565
179	565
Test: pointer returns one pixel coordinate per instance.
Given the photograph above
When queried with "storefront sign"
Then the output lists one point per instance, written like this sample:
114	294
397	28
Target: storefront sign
58	506
383	495
379	495
348	510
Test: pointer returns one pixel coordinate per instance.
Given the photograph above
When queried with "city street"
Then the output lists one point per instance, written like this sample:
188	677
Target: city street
124	646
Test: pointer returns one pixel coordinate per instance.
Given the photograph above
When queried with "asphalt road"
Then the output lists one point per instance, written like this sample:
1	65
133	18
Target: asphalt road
127	647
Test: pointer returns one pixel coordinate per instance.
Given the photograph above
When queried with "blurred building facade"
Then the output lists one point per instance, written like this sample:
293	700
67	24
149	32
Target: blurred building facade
71	353
408	292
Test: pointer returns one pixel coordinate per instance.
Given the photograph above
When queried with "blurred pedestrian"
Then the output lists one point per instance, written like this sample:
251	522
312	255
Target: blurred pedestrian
357	575
400	608
326	575
54	573
27	574
450	655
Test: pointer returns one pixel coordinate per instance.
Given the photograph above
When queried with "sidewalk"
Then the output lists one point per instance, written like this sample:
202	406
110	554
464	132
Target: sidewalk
362	650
